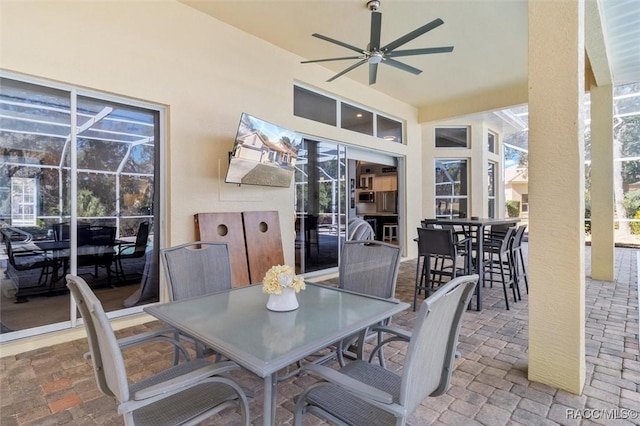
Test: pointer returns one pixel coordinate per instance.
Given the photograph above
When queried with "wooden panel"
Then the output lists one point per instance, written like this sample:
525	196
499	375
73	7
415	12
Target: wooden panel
264	242
226	228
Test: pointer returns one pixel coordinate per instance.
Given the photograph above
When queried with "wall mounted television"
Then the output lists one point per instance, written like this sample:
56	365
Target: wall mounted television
263	154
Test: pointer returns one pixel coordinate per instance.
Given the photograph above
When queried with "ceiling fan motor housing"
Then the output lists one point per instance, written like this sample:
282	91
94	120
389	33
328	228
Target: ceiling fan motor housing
373	5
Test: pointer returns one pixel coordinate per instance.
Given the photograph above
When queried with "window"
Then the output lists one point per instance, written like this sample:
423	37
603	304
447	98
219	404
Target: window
524	207
356	119
491	142
451	188
116	173
389	129
23	201
314	106
317	107
491	194
452	137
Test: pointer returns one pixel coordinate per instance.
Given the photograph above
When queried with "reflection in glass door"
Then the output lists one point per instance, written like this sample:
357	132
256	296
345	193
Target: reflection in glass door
110	225
320	201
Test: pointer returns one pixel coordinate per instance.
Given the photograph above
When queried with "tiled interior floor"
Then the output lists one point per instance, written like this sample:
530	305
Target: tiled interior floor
55	385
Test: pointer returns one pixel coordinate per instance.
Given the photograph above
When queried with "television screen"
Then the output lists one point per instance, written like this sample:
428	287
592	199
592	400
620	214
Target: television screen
263	154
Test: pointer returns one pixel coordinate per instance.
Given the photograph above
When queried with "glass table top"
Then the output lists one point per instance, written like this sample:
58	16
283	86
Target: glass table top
238	324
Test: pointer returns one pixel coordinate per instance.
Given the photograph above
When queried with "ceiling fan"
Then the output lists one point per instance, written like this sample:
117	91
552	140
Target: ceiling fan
375	54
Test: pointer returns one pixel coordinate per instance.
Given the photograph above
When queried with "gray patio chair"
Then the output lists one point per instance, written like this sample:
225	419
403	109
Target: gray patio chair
360	230
187	393
196	269
440	245
133	250
23	259
498	262
371	268
517	259
362	393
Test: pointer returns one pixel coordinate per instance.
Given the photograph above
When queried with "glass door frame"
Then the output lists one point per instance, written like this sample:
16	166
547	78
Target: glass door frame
159	208
350	153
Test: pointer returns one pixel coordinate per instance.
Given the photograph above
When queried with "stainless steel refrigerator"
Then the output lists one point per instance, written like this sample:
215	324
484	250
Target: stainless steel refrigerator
386	201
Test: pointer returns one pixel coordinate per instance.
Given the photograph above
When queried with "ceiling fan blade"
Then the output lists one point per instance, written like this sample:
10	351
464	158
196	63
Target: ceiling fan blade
425	51
338	42
401	66
376	24
331	59
343	72
413	34
373	73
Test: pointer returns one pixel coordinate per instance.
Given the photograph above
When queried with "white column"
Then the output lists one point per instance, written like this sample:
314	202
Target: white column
556	194
602	202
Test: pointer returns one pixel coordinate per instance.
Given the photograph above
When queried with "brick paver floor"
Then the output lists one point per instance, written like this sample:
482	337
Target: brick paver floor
55	385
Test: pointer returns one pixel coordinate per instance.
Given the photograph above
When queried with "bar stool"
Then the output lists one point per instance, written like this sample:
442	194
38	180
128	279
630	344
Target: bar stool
498	261
390	232
439	246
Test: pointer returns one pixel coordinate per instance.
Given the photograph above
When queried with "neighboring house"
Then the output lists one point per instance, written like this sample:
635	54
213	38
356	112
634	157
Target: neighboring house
516	188
634	186
253	147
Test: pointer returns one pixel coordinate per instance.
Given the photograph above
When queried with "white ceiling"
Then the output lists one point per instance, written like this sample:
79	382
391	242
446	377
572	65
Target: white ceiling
489	39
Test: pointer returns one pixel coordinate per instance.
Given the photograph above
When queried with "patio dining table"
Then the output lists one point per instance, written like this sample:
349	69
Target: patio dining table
61	251
476	228
237	324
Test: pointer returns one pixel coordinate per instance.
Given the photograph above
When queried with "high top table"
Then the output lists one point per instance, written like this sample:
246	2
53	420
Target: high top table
477	225
237	324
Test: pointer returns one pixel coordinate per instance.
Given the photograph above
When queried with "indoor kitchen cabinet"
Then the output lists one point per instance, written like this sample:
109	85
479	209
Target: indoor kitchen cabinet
386	183
367	181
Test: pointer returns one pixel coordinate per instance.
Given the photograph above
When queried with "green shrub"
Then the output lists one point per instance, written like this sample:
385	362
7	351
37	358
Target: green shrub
587	214
632	206
635	226
513	208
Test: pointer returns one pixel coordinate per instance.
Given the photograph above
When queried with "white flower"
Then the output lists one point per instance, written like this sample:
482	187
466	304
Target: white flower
279	277
285	280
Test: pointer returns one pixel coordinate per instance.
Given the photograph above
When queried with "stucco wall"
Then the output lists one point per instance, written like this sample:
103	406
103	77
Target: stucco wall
206	73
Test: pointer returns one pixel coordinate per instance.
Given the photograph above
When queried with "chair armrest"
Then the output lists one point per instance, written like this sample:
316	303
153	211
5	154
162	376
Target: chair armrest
185	380
348	383
159	335
397	335
398	332
143	337
121	246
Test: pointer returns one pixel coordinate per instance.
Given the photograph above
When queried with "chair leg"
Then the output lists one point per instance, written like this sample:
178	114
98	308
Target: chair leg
504	282
120	270
515	271
420	270
491	271
512	279
383	364
524	271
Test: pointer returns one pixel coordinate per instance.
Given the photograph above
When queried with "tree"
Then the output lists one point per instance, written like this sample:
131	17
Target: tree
626	143
89	205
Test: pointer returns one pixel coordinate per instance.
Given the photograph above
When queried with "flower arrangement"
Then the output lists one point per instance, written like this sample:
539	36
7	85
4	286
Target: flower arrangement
280	277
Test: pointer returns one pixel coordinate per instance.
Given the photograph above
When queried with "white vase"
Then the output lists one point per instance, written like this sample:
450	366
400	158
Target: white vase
285	301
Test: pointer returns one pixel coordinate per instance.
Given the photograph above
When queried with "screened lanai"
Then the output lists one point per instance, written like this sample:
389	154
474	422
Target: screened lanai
626	171
78	192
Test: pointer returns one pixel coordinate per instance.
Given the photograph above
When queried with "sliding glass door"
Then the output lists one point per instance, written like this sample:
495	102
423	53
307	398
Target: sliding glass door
320	204
78	194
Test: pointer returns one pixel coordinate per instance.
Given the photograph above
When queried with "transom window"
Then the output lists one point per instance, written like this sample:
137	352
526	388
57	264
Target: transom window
335	112
452	137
